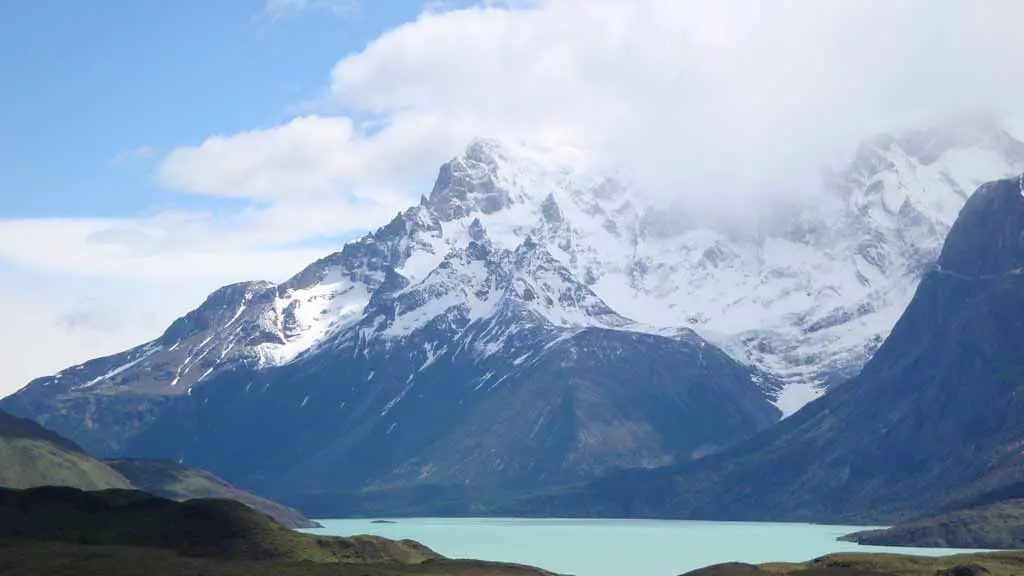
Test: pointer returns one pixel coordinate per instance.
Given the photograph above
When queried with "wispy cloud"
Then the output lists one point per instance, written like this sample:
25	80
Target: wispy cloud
690	99
721	104
81	288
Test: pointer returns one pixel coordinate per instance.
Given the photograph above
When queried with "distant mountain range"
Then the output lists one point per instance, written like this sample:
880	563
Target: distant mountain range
933	420
528	326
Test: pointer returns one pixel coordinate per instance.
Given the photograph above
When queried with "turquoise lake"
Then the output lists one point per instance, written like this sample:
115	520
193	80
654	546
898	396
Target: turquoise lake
616	547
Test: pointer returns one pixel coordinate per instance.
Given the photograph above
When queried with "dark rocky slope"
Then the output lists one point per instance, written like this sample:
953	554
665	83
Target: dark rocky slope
449	348
996	564
65	530
176	482
936	416
32	456
205	528
424	389
997	526
595	400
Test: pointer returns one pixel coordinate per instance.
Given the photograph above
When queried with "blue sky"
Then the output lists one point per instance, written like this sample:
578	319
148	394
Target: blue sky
95	90
95	94
154	150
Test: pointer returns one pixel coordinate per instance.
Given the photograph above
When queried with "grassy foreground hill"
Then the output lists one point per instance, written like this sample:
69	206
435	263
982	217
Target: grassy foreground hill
34	456
936	415
60	530
995	564
176	482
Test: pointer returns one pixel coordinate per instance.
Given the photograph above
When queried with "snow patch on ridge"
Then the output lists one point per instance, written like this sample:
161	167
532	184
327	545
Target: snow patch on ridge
302	318
514	238
151	350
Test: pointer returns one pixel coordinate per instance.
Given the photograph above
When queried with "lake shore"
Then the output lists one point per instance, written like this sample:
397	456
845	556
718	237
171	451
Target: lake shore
613	547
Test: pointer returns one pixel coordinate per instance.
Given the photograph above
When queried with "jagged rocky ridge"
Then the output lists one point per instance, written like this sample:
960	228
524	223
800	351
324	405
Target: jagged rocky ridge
513	260
494	367
806	297
933	419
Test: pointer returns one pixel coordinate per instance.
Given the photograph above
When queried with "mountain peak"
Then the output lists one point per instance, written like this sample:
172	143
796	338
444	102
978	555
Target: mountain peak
977	134
550	210
468	184
476	231
218	307
486	151
964	132
988	237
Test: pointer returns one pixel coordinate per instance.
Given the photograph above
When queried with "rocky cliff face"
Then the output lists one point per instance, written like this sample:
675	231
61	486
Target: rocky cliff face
511	270
413	357
934	417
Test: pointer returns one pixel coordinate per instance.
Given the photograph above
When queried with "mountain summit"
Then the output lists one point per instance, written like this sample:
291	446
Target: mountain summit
933	419
521	283
455	346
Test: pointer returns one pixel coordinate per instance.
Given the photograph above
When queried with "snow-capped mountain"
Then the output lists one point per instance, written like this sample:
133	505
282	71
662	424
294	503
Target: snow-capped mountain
516	264
932	423
807	303
497	367
381	359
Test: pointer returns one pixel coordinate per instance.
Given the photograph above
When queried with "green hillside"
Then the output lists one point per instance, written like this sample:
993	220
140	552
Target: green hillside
34	456
998	564
176	482
60	530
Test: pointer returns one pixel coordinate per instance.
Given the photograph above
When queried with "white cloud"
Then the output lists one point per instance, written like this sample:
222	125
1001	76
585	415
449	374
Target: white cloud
167	247
691	99
51	328
308	158
693	95
74	289
717	104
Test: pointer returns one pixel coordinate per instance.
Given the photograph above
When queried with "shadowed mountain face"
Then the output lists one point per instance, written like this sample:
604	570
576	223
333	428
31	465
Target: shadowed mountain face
412	358
591	402
12	427
527	325
935	416
997	526
32	456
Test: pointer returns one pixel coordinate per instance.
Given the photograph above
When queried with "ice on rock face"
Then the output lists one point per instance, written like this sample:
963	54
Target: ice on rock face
807	303
522	235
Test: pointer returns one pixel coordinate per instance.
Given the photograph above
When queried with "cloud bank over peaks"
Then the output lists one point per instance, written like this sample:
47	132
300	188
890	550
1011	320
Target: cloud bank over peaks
726	108
721	106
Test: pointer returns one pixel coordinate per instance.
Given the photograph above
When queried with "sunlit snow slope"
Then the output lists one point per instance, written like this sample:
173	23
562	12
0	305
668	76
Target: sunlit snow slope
804	298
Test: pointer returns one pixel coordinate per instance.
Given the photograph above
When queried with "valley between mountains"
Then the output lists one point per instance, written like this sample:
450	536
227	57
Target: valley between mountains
534	339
